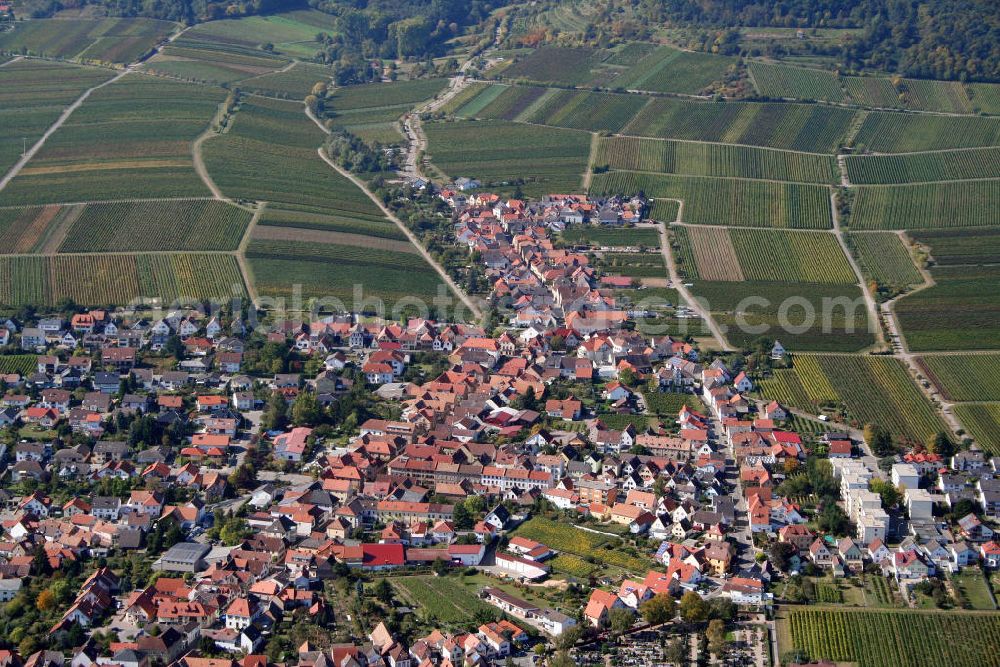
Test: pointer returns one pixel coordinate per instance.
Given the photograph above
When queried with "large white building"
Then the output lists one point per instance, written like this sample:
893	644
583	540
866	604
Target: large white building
863	507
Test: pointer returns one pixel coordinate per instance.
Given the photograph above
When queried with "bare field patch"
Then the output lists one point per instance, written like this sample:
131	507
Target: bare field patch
714	254
266	233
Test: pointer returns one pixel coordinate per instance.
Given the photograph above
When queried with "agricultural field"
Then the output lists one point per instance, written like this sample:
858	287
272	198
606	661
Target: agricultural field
980	421
33	93
888	132
817	317
871	389
596	235
974	589
130	139
702	159
923	167
542	160
985	97
103	280
471	92
372	111
331	270
926	638
964	377
763	255
633	264
573	566
668	404
668	70
802	127
23	364
960	312
157	225
926	205
565	537
871	91
713	201
292	34
295	83
32	229
110	40
943	96
373	226
961	246
795	82
204	61
579	109
270	154
884	258
554	64
442	599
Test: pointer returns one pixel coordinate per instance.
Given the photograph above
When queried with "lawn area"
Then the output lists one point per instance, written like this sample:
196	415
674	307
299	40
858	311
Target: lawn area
442	599
973	587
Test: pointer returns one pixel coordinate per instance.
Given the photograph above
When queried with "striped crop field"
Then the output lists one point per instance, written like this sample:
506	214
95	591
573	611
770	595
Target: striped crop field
33	93
30	229
891	637
888	132
964	377
872	390
157	225
803	127
270	154
103	280
110	40
762	255
944	96
714	201
582	110
704	159
926	205
24	364
871	91
667	70
295	83
924	167
542	160
129	140
980	421
985	97
795	82
885	259
961	246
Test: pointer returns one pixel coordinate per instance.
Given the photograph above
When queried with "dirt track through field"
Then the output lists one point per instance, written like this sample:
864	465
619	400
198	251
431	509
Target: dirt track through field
267	233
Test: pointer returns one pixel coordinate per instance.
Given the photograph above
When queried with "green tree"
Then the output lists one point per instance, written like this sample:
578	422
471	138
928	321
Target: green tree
620	620
46	601
941	444
306	410
780	554
693	608
383	591
462	517
275	413
890	494
716	634
658	609
879	439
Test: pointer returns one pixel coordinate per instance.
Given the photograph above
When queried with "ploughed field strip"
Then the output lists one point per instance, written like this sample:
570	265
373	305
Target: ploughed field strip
111	40
33	94
131	139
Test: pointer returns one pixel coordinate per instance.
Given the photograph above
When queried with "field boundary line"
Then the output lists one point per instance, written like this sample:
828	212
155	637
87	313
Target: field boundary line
392	217
105	201
721	178
698	225
588	172
870	305
626	135
57	236
241	253
678	284
63	117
